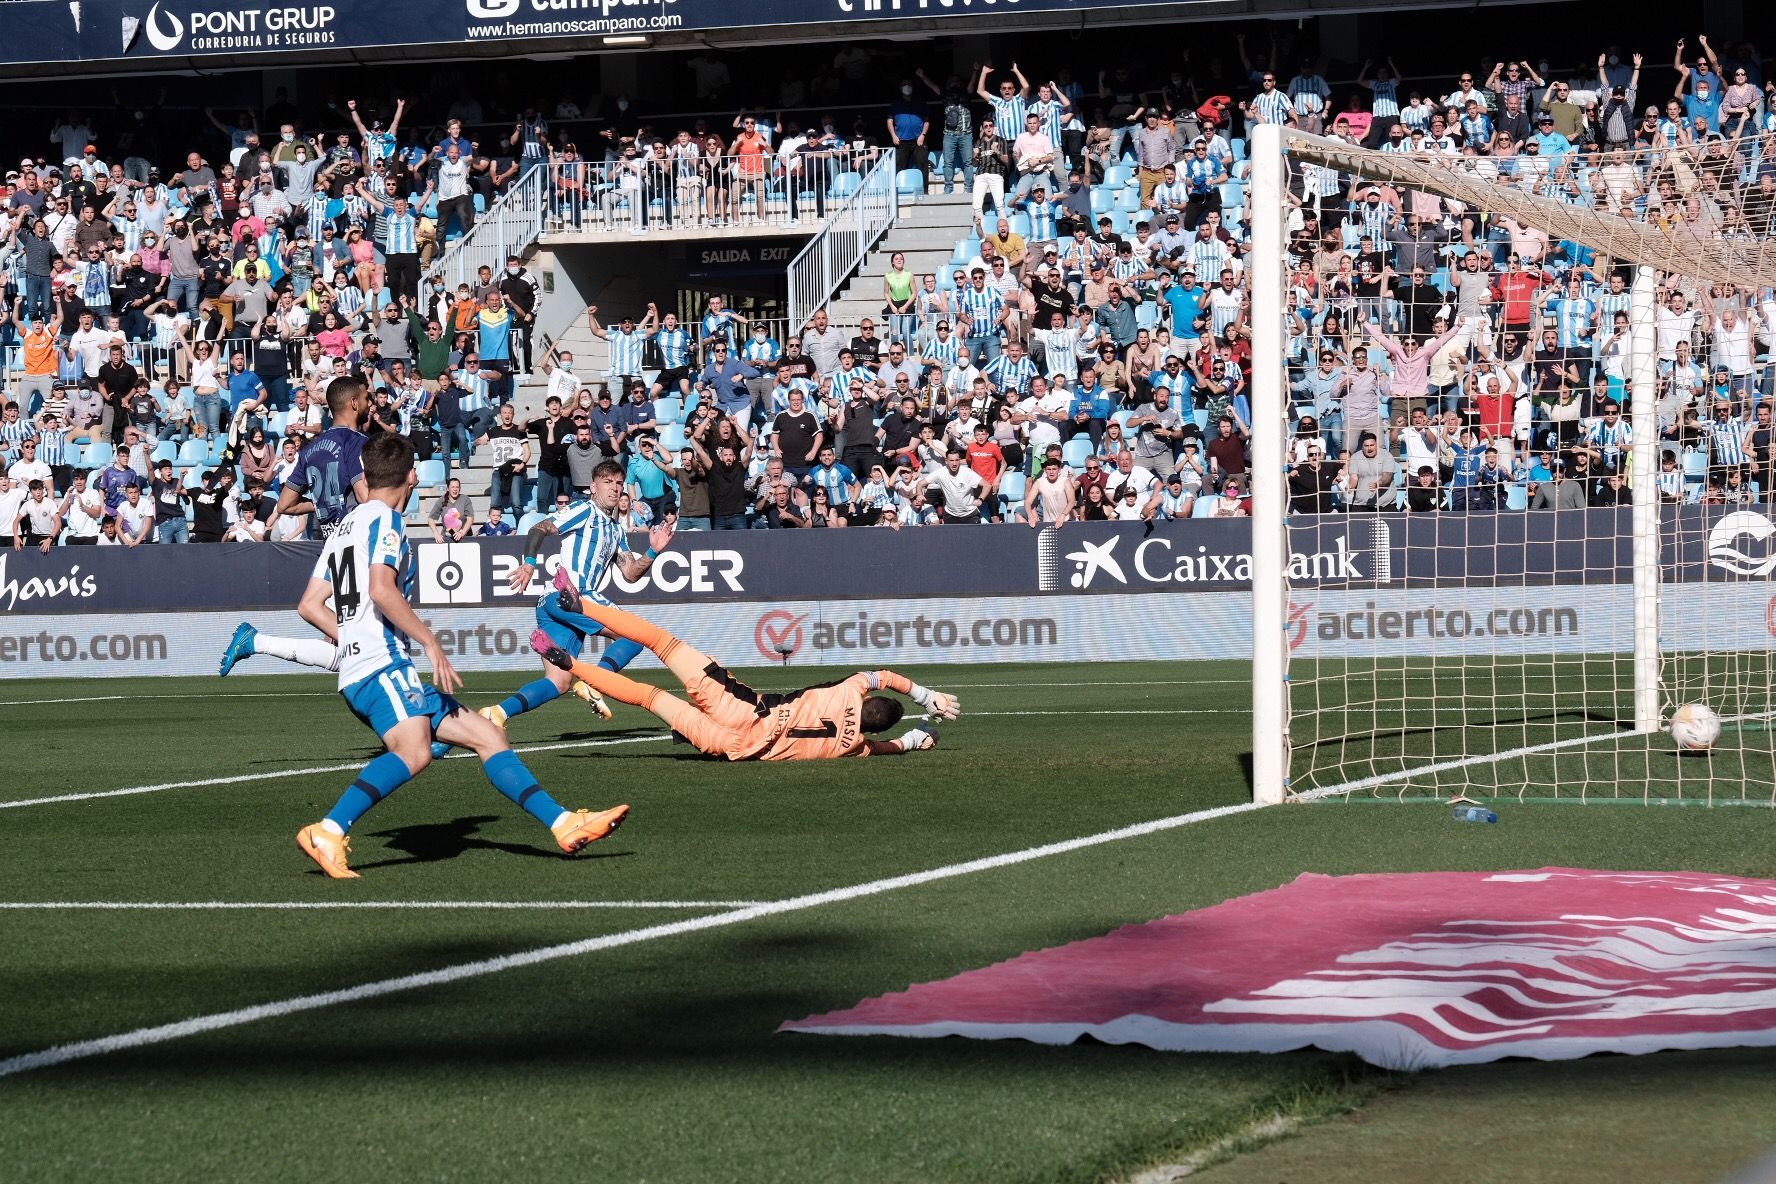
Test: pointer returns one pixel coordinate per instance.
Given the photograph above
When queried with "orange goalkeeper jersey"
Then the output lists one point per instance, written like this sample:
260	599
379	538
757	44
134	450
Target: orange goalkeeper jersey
818	723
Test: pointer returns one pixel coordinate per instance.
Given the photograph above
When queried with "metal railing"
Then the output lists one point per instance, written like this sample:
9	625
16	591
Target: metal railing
510	225
831	256
679	189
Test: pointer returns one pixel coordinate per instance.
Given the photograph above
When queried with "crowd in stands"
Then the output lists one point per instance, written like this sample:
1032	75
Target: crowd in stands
173	322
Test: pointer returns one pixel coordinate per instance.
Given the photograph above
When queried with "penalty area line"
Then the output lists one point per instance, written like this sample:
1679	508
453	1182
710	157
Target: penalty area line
306	771
216	1021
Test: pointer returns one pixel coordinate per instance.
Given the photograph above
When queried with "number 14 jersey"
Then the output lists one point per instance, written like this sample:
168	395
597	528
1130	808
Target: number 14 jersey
371	535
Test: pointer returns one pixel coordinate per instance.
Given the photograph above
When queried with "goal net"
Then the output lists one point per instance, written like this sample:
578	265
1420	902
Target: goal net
1522	403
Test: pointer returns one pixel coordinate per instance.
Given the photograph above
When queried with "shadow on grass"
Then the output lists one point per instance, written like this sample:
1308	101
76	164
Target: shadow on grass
431	842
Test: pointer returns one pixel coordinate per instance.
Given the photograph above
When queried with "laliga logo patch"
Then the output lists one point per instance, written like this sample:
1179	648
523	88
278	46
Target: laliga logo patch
158	39
492	10
1723	540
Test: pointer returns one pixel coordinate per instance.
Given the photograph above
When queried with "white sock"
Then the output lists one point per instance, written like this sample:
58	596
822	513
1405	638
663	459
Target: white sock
332	828
305	651
558	819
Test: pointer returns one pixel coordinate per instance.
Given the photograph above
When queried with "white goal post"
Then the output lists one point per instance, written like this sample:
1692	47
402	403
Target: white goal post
1498	714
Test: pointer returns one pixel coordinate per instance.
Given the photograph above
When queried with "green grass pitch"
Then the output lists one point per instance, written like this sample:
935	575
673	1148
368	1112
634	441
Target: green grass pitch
655	1059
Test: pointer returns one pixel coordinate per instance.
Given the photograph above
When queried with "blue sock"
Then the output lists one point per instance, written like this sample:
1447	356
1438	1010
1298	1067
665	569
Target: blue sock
380	777
580	621
619	653
510	777
529	697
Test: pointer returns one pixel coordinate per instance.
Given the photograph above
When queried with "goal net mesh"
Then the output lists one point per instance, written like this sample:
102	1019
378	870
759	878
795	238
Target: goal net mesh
1560	356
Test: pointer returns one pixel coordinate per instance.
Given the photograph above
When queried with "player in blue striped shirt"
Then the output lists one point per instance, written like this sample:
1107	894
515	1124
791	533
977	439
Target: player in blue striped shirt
588	540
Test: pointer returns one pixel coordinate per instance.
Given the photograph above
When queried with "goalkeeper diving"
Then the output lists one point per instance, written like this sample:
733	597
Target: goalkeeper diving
727	718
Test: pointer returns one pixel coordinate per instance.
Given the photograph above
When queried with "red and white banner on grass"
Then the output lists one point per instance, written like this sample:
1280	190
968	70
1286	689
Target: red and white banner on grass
1406	971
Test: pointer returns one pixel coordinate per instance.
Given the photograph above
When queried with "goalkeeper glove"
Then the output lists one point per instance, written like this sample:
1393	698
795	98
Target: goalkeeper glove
936	703
917	739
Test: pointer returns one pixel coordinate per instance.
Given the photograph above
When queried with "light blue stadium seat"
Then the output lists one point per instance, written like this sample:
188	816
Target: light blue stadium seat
669	409
214	454
1118	175
910	183
672	437
1233	195
192	453
1516	496
529	520
845	184
430	473
1121	418
1020	224
165	450
1239	148
1128	199
1075	451
97	456
1011	492
1103	199
480	204
1202	419
1147	314
1205	506
966	249
1121	222
1695	464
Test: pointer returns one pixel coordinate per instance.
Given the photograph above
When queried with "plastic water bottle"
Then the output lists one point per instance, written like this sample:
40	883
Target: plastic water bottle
1473	814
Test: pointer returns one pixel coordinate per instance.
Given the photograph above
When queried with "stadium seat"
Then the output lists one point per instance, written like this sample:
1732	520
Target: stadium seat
193	453
966	249
1118	175
1020	224
97	455
845	184
1202	419
669	409
1239	148
529	520
910	183
1147	314
672	437
1233	195
1695	465
1011	490
1516	496
430	473
165	450
1205	506
1075	451
1103	199
1128	199
1121	418
1122	223
217	444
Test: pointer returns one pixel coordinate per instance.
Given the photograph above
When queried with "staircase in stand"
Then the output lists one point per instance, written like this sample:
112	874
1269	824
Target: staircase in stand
926	231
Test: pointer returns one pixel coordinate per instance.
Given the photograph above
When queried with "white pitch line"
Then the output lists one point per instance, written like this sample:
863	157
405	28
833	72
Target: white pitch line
275	774
230	905
162	1033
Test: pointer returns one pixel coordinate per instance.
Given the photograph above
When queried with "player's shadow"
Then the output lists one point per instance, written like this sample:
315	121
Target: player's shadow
431	842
